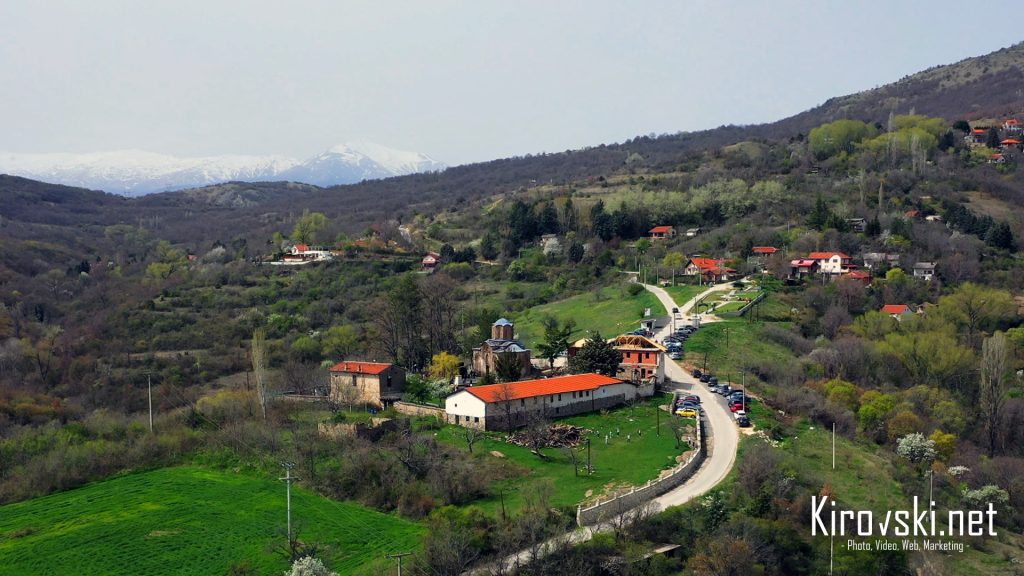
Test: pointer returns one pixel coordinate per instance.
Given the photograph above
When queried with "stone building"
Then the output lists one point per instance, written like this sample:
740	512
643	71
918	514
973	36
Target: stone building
366	383
501	343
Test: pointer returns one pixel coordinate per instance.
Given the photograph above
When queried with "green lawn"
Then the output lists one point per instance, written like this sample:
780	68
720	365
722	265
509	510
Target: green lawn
730	307
619	462
683	293
610	310
188	521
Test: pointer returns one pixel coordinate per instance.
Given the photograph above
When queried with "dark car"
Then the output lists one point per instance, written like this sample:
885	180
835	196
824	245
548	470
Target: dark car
713	380
675	310
697	372
705	378
724	390
743	421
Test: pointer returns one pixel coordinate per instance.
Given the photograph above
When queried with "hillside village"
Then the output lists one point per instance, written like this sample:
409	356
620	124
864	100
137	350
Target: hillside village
661	355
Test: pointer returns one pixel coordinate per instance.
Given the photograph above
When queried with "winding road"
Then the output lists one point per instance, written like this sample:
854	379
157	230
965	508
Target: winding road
722	437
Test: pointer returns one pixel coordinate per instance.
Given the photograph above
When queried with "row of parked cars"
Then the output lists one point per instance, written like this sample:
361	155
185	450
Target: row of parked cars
687	406
674	343
737	400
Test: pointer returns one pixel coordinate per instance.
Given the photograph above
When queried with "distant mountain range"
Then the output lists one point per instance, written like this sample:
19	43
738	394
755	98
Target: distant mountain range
135	172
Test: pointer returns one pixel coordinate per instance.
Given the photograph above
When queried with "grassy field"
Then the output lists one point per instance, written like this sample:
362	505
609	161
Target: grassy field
610	310
188	521
730	345
619	462
683	293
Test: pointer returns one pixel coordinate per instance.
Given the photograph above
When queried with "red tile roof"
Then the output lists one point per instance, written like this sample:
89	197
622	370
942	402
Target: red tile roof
360	367
301	247
895	308
1010	142
765	250
979	131
858	275
827	255
1012	122
544	387
912	213
661	230
803	262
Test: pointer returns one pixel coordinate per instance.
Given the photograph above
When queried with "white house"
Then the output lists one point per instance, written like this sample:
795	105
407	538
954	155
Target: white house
512	404
831	262
924	270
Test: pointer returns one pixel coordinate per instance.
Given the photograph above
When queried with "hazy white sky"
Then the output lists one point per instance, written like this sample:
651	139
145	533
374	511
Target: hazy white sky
460	81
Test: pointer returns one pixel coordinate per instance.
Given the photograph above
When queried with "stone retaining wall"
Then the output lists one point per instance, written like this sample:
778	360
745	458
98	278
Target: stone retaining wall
411	409
622	502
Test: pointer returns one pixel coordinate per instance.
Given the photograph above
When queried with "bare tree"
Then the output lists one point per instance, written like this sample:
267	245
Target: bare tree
538	430
993	386
505	395
259	366
471	435
573	453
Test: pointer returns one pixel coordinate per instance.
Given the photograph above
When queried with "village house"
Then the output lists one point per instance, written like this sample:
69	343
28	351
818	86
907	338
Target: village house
860	276
1009	143
549	244
897	311
431	260
832	263
304	253
978	136
924	270
662	233
708	269
366	383
913	214
501	343
513	404
873	260
760	254
1012	126
857	224
643	359
802	268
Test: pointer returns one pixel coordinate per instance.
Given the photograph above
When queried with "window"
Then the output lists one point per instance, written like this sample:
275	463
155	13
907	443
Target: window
559	397
557	410
574	395
522	401
476	419
353	380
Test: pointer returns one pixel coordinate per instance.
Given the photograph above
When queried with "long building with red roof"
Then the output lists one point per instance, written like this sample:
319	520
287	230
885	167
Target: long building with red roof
513	404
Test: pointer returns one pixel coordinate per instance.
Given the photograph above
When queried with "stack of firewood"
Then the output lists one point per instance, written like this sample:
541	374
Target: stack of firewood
556	436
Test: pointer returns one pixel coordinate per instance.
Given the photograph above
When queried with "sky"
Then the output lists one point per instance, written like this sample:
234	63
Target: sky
461	81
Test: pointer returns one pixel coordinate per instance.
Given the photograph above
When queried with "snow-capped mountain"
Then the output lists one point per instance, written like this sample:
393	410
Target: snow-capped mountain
135	172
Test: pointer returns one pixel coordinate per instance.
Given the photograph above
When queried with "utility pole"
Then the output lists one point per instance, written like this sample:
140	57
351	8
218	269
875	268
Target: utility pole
149	384
590	468
399	556
288	479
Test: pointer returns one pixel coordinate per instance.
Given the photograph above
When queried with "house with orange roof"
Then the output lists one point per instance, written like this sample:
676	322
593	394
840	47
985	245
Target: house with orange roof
662	232
802	268
897	311
513	404
1012	125
861	276
831	262
366	383
708	269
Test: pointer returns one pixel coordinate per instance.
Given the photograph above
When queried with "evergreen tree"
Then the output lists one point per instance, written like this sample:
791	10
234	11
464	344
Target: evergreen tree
992	139
1000	236
596	355
576	252
548	221
874	227
819	216
556	339
489	249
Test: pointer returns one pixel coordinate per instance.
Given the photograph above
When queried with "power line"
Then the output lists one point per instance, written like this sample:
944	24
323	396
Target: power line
288	479
399	557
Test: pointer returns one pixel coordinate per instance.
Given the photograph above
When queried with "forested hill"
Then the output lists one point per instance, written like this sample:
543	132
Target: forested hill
980	87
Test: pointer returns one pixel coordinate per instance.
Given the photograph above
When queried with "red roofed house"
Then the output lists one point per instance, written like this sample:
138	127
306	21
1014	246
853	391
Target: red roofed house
859	275
803	267
978	135
764	250
709	269
372	383
1009	143
896	310
662	232
1012	125
431	260
512	404
831	262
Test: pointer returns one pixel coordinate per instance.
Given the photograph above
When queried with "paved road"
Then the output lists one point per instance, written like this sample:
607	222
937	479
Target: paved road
722	437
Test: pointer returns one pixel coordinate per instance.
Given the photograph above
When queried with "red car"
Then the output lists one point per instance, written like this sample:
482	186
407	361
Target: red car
734	406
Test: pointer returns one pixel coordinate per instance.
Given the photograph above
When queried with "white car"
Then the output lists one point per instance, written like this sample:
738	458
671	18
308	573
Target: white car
739	413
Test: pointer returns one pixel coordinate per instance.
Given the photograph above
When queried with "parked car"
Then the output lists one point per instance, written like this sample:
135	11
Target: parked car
688	412
724	389
675	310
713	379
675	355
696	372
705	378
743	421
692	398
739	414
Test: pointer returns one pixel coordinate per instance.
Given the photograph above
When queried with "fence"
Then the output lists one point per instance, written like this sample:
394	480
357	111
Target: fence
619	503
745	309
